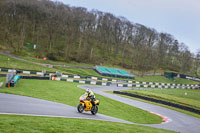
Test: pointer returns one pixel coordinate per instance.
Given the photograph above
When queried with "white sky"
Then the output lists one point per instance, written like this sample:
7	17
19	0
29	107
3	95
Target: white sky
181	18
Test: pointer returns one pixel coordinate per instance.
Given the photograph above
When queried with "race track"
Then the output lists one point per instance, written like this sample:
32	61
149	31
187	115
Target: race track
177	121
14	104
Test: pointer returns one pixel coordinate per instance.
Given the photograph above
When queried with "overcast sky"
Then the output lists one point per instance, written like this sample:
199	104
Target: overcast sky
181	18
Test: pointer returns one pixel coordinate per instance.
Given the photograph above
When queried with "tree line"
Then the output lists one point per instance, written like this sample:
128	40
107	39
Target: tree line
67	33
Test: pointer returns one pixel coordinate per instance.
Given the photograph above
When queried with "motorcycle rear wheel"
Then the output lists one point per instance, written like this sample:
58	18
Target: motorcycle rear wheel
95	110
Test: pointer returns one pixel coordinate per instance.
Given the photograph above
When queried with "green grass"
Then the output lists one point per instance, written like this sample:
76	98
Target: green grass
162	79
185	81
69	93
162	105
79	71
3	79
191	98
8	62
40	60
29	124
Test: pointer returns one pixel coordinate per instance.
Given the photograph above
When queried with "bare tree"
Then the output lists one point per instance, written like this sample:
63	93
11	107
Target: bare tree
76	34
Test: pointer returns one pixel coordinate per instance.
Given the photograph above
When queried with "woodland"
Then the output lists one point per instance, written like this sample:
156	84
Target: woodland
65	33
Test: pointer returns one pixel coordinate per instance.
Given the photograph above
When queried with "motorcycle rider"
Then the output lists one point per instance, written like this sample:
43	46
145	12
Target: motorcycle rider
91	96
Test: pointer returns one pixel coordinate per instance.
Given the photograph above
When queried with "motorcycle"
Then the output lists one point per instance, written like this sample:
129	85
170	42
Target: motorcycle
86	105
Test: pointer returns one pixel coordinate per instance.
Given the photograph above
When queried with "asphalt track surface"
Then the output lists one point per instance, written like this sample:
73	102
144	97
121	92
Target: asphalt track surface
22	105
177	121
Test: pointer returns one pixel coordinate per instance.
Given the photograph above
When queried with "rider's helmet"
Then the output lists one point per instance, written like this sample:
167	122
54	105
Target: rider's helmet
88	91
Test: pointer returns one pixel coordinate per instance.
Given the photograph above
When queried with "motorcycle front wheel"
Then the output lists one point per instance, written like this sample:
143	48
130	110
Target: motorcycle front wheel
80	108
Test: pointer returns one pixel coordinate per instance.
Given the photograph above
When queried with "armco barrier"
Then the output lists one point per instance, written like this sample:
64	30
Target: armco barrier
63	75
166	84
2	75
155	86
104	79
83	81
35	77
98	78
68	80
197	111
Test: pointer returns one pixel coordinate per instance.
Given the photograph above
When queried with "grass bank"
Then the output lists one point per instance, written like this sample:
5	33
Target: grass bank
40	60
162	79
187	97
8	62
24	124
162	105
79	71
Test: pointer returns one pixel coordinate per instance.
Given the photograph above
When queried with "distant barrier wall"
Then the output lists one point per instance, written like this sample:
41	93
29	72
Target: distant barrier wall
157	86
130	83
194	110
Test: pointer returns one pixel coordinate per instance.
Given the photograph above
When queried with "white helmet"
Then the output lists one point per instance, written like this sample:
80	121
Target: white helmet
88	90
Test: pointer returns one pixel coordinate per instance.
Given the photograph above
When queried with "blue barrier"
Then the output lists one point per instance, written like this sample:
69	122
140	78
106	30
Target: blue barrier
15	80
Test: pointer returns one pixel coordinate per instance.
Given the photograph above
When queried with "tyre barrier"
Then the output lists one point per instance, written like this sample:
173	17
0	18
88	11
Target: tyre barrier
194	110
144	83
104	79
68	80
39	73
83	81
2	75
63	75
96	78
35	77
166	84
54	78
16	78
155	86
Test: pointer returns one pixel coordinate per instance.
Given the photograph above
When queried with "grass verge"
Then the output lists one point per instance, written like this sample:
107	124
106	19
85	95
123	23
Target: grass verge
181	96
24	124
79	71
8	62
40	60
162	79
169	107
69	93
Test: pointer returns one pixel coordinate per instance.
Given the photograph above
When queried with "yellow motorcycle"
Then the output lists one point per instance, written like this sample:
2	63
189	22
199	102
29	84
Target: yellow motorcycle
86	105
